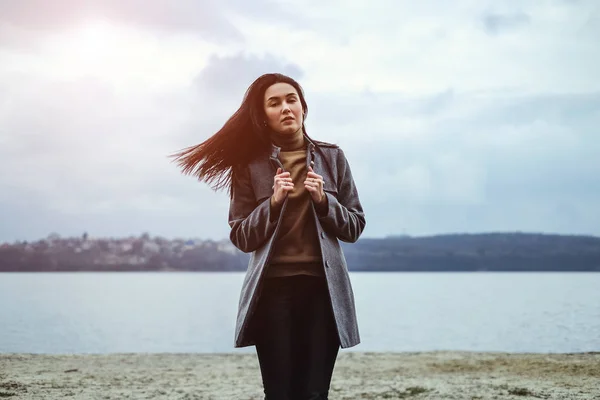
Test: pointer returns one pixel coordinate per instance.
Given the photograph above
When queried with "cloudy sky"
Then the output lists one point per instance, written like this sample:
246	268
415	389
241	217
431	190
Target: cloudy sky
462	116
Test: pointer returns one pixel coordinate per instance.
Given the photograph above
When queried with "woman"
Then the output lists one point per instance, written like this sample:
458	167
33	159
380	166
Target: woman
291	199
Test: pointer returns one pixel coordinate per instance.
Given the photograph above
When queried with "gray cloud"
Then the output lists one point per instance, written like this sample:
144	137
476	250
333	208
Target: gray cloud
231	75
494	23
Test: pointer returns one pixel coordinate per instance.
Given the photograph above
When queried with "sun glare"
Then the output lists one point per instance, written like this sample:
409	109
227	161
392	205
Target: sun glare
91	48
124	55
94	42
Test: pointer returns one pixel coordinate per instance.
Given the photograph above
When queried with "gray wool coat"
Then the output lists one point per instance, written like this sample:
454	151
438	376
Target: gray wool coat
254	231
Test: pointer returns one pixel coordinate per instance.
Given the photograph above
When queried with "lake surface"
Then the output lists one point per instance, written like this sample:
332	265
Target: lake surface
195	312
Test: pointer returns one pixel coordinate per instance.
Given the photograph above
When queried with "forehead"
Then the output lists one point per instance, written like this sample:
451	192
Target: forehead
278	90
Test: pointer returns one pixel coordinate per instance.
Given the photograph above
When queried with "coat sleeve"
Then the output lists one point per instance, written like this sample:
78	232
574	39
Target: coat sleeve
344	215
251	223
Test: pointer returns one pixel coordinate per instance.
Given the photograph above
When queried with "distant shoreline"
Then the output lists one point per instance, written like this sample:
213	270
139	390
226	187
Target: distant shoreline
490	252
358	375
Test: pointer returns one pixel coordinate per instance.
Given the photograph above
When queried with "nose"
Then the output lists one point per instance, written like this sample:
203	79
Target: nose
285	107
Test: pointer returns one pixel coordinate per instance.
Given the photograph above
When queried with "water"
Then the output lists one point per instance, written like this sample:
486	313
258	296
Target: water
195	312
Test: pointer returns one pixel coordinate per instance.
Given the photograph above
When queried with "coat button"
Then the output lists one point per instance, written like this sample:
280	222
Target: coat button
327	263
323	234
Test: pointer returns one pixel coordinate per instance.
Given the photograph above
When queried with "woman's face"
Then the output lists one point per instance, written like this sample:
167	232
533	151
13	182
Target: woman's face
283	108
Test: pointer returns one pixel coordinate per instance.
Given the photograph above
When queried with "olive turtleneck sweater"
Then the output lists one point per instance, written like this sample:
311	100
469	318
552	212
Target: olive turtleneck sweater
296	250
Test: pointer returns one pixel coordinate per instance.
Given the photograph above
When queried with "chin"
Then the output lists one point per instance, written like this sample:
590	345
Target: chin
288	130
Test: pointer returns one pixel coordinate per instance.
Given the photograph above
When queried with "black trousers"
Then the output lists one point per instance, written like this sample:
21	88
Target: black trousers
296	338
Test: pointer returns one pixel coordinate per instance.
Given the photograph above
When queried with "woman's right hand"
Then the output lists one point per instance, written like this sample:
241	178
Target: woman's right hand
282	184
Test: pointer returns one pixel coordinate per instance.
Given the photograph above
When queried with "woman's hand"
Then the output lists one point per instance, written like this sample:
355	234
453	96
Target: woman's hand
314	184
282	184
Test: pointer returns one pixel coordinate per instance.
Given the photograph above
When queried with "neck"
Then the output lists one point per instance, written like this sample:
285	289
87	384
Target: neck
288	141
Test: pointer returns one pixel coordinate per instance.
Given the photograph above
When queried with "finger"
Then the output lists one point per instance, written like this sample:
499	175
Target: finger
313	175
281	173
314	193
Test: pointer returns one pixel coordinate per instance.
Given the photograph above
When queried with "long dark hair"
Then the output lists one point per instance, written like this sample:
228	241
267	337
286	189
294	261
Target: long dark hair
242	138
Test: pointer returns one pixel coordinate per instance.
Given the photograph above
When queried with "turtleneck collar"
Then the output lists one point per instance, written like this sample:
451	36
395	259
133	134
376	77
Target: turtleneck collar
288	142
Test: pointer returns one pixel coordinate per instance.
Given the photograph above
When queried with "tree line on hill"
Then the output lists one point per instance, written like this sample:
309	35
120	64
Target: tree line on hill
451	252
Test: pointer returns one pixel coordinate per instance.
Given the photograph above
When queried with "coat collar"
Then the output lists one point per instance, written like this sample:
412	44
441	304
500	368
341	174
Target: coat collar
275	150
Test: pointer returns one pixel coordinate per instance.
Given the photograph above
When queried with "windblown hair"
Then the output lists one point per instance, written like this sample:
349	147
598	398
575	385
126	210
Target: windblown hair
242	138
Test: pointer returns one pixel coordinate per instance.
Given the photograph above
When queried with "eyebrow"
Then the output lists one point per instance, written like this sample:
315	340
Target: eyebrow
276	97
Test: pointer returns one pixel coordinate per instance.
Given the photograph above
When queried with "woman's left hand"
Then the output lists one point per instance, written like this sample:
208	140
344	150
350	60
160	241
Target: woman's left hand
314	185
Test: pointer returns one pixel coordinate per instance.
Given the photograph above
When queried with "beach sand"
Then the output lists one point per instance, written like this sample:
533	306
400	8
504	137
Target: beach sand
429	375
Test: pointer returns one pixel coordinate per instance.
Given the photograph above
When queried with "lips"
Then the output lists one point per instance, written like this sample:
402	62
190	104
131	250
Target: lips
287	119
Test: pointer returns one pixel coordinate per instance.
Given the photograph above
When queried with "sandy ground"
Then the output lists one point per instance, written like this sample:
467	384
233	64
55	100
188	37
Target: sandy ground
432	375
